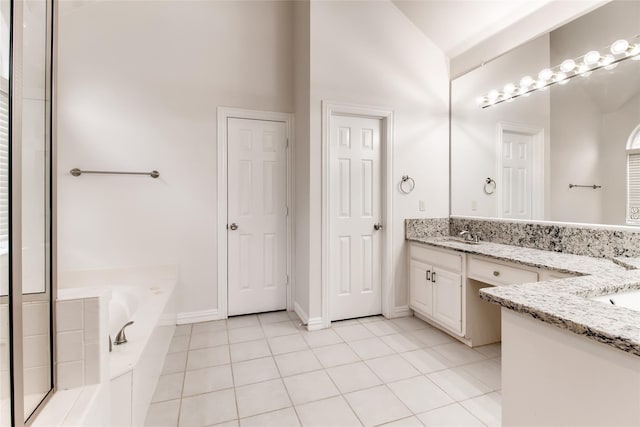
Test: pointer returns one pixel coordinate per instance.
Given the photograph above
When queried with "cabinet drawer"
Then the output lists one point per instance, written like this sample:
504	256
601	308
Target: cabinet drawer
450	261
498	274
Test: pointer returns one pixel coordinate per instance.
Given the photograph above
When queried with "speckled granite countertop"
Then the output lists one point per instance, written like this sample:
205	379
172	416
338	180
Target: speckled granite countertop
556	261
565	303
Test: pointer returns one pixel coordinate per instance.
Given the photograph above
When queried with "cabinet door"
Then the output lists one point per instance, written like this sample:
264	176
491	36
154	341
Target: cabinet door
420	290
447	299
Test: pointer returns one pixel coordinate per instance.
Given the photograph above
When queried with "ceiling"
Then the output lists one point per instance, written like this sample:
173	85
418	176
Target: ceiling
455	26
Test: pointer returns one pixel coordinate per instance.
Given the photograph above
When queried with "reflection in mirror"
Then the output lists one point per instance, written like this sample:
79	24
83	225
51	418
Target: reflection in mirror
5	349
575	133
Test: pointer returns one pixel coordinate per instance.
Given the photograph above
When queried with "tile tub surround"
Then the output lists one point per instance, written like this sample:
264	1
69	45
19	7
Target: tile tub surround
369	371
426	227
589	240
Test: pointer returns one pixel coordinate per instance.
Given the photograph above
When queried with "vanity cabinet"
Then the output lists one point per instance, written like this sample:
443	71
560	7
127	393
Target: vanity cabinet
444	288
435	286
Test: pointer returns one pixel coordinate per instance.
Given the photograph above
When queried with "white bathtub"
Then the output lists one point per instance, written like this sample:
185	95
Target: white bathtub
135	366
129	373
630	299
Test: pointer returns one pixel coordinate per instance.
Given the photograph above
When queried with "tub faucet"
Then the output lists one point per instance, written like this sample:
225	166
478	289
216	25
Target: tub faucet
121	338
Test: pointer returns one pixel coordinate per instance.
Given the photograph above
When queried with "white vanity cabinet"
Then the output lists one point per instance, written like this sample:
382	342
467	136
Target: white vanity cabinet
435	286
444	288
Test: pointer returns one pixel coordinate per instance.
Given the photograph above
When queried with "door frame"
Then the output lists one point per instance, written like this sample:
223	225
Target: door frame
386	115
225	113
537	164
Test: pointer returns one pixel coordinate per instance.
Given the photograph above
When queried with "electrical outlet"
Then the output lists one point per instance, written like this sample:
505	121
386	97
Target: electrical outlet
421	206
474	205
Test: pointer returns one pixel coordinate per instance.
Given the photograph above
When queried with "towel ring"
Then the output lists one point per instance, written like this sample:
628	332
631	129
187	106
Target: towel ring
407	181
489	186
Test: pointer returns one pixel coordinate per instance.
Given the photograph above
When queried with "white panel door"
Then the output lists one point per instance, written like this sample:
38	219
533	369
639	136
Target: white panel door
257	216
517	169
355	205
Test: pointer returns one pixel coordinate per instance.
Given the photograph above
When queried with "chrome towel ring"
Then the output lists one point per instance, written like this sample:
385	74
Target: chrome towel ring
489	186
407	184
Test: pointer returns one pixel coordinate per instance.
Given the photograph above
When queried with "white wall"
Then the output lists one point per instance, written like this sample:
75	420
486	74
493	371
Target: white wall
370	53
138	85
474	129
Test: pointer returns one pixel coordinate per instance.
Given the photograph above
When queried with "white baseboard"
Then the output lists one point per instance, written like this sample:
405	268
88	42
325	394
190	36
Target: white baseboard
198	316
301	313
402	311
315	324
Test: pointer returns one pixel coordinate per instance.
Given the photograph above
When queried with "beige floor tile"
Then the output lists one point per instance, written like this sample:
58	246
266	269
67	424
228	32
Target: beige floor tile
182	330
310	386
249	350
253	371
392	368
449	416
370	348
273	317
382	328
207	357
254	399
208	339
281	418
208	409
333	412
354	332
487	408
213	326
488	371
321	338
207	380
410	323
297	363
426	360
179	343
402	342
287	344
459	384
420	394
335	355
459	353
405	422
280	329
174	362
242	321
353	377
378	405
249	333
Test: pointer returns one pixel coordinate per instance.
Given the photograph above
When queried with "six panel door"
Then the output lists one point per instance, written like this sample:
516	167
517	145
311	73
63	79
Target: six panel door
354	211
257	216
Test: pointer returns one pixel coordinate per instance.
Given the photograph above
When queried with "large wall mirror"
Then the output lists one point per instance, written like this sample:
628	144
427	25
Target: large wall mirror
562	153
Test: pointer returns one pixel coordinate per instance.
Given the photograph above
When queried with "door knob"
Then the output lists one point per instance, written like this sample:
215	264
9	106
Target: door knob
377	226
233	226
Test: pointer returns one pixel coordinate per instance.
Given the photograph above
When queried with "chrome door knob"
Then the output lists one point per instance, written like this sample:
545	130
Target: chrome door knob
233	226
377	226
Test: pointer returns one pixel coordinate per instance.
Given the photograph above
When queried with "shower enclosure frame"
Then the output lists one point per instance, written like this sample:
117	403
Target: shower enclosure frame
16	298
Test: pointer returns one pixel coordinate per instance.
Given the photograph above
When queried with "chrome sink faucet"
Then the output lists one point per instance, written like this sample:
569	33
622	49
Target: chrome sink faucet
121	338
464	234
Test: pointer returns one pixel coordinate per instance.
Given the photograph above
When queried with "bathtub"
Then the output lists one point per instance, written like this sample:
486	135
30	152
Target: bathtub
130	372
135	366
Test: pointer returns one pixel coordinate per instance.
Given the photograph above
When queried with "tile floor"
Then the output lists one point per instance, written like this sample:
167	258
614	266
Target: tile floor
265	370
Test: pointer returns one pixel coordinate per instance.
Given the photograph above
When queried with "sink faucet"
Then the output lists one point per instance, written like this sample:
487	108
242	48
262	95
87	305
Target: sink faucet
121	338
465	234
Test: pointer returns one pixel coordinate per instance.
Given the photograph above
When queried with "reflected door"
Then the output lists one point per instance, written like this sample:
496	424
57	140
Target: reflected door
257	215
517	169
355	263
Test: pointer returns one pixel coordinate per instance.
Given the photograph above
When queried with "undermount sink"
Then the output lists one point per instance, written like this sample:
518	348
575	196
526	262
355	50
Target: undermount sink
629	299
461	240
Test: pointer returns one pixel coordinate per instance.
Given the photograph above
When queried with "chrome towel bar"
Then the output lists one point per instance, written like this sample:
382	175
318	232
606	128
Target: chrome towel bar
78	172
594	186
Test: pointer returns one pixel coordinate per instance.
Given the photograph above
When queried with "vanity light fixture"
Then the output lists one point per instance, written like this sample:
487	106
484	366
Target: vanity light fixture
607	58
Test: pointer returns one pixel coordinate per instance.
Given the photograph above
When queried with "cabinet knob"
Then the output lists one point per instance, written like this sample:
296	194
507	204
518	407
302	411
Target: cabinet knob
496	273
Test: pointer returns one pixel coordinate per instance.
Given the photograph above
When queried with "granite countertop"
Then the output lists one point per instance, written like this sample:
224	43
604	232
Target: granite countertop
565	303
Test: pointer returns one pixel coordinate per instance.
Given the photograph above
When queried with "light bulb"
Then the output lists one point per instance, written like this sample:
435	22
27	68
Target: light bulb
607	62
545	74
619	46
635	52
523	91
509	88
526	81
493	95
540	84
583	70
568	65
561	78
592	57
